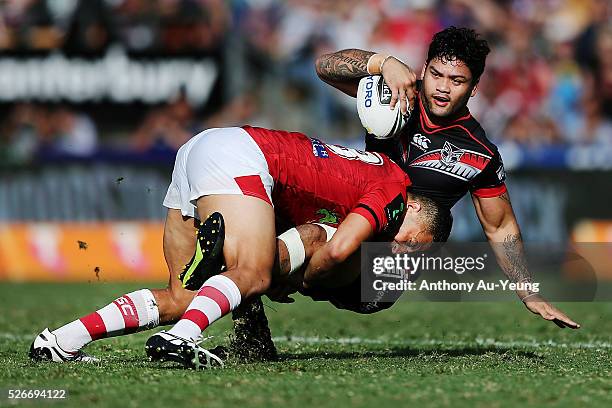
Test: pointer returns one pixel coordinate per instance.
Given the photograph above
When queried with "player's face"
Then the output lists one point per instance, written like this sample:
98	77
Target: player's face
412	235
447	87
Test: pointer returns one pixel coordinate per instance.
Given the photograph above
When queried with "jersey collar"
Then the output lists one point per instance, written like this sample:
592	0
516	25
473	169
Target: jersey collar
426	121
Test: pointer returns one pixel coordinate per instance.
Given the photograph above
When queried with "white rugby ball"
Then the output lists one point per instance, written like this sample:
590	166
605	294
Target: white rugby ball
373	101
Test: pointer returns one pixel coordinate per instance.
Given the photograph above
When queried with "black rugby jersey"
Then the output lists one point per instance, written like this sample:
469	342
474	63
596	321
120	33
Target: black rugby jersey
445	162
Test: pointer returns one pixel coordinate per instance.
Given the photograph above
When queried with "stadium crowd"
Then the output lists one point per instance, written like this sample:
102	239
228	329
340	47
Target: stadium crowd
548	79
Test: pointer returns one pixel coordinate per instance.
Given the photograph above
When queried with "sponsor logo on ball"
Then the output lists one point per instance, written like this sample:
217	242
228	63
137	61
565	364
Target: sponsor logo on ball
368	94
384	92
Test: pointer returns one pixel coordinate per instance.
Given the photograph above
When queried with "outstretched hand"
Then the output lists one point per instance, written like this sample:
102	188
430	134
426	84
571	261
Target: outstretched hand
538	305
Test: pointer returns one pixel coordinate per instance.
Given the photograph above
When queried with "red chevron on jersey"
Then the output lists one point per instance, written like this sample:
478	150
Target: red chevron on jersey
476	160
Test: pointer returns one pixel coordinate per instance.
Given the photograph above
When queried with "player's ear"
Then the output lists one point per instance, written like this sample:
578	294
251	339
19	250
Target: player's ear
474	90
423	70
412	205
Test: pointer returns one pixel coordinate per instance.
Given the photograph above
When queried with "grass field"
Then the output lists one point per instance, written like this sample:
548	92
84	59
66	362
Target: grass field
415	354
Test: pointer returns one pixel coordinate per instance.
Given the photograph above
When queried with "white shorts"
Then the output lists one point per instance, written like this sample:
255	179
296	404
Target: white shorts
218	161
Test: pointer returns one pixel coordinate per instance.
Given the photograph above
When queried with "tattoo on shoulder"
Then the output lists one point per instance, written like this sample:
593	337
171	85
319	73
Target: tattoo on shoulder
517	268
345	64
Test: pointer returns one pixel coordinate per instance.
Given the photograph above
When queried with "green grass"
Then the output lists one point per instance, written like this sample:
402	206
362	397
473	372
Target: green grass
419	354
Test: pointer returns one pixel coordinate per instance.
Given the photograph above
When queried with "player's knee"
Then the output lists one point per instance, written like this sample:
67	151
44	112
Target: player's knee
250	280
259	284
262	284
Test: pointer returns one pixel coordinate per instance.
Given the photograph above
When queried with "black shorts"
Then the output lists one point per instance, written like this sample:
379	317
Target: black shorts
348	298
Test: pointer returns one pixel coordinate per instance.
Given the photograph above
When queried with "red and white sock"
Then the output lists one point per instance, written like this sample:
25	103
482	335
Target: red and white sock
217	297
130	313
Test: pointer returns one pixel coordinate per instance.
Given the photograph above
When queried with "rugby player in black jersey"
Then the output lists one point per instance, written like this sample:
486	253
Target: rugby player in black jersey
443	149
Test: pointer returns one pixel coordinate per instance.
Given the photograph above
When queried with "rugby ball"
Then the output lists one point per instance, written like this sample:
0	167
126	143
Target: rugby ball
373	101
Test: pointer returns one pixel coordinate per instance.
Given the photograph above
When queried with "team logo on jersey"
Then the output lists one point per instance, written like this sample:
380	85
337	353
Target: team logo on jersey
420	141
319	149
393	212
459	163
327	216
450	154
354	154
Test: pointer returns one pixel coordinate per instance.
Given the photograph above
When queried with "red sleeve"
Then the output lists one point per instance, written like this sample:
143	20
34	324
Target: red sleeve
383	207
370	215
372	207
490	192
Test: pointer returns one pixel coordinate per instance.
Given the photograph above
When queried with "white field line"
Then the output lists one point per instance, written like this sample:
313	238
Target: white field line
480	342
441	342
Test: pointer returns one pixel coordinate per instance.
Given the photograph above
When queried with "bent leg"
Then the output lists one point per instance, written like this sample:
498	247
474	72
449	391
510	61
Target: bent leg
179	246
249	250
250	242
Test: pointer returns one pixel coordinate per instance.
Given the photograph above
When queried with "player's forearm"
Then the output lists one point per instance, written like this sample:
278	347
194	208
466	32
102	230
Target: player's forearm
507	244
322	260
344	65
354	230
343	69
502	230
311	236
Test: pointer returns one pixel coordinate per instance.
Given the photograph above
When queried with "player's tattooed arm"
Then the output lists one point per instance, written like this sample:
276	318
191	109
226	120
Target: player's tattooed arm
344	65
343	69
512	246
502	231
517	271
516	267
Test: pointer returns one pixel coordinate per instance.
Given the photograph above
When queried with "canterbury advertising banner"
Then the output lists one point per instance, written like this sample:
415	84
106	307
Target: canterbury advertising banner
118	251
132	251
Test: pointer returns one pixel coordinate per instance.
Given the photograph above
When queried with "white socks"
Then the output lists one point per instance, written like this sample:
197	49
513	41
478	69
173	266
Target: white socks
217	297
128	314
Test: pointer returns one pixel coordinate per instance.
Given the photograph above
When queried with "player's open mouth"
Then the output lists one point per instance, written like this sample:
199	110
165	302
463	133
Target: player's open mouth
441	101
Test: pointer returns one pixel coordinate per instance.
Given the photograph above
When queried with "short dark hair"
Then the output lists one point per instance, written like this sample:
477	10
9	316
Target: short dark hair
463	44
438	218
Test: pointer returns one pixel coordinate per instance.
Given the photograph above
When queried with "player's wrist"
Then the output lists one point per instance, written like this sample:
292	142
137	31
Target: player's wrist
375	62
527	295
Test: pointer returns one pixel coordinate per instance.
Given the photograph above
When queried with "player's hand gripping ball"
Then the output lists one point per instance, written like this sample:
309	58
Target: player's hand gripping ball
373	106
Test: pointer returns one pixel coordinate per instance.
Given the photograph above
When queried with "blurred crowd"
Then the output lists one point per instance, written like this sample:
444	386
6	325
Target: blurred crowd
89	27
548	80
